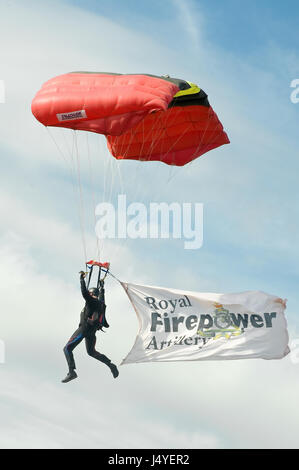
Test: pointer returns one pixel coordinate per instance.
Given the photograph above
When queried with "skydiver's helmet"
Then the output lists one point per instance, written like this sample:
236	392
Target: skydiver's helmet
94	291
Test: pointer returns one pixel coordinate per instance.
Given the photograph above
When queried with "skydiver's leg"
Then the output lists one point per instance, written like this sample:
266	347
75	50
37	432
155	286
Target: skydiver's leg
90	342
74	340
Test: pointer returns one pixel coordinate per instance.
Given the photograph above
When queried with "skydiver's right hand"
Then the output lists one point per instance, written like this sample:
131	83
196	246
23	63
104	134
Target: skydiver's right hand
82	274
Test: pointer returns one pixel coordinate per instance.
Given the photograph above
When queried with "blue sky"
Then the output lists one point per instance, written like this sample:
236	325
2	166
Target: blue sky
255	23
245	59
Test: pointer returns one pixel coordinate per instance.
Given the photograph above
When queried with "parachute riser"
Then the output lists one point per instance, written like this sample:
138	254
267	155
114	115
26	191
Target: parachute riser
89	274
102	270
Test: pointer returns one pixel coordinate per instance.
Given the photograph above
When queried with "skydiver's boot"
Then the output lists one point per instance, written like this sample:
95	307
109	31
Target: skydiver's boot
101	357
70	376
113	369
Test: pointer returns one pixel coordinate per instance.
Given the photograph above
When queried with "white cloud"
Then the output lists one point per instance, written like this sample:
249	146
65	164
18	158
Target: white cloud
191	22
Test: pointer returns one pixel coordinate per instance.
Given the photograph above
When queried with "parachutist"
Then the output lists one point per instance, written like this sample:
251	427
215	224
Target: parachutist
92	319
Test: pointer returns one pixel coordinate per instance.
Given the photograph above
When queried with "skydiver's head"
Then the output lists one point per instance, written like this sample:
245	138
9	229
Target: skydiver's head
94	292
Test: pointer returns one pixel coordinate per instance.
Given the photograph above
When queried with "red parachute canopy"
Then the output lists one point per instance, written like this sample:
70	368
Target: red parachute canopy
108	104
97	263
144	117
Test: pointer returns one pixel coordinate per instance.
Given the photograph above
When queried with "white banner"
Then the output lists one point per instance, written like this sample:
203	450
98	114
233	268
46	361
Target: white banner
180	325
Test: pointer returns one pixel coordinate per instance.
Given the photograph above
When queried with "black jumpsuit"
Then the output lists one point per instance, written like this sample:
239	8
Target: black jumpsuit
94	311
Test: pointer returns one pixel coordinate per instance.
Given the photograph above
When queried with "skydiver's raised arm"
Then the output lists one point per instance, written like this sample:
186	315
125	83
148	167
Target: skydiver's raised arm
84	290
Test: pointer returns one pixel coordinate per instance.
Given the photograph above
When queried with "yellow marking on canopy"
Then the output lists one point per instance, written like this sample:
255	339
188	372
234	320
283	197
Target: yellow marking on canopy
189	91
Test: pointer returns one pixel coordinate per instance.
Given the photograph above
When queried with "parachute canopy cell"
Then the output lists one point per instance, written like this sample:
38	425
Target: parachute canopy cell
144	117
